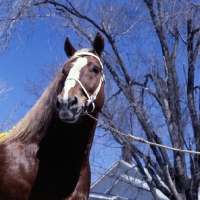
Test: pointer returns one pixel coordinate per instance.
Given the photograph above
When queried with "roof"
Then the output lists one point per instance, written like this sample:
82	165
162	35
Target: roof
122	181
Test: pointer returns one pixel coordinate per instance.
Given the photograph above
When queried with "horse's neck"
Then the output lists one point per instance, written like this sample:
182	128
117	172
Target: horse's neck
71	141
81	130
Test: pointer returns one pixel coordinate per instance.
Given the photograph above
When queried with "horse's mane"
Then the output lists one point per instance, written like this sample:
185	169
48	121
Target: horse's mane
36	122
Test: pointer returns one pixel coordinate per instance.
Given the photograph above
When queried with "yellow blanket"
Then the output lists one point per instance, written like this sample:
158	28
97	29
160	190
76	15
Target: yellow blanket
2	134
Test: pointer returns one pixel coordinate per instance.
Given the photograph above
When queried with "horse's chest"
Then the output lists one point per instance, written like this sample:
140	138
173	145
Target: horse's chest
59	168
18	170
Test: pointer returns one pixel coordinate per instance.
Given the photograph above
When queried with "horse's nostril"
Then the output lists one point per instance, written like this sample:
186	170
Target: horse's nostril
73	102
58	104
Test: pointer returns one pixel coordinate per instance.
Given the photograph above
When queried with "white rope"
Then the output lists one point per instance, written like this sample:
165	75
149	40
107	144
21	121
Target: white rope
85	53
138	139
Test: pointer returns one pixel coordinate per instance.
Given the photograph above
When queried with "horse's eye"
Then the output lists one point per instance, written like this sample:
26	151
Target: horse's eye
95	70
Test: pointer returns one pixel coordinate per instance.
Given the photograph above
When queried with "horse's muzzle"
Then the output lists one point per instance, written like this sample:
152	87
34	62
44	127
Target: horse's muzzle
69	110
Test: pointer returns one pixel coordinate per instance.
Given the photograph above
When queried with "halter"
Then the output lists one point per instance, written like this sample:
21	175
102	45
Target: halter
91	98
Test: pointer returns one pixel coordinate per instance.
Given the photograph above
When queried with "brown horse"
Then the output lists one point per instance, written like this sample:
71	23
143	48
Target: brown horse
46	156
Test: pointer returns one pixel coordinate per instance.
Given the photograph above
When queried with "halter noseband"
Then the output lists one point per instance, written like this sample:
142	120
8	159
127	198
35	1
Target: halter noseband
91	98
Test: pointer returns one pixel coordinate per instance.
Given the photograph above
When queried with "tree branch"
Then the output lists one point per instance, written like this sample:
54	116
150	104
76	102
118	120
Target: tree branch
158	25
170	183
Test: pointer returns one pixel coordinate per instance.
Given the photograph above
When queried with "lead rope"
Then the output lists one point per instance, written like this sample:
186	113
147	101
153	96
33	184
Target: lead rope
138	139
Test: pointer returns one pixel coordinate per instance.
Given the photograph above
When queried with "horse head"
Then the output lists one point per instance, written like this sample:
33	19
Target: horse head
83	89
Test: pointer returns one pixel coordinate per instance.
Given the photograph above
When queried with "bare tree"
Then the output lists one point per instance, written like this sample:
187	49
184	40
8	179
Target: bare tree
151	61
3	89
3	96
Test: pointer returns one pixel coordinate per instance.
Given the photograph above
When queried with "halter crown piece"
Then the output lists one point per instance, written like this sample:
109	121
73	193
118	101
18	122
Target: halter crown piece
91	98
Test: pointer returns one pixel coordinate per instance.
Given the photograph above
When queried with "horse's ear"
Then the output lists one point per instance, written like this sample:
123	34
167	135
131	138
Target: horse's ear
69	49
98	44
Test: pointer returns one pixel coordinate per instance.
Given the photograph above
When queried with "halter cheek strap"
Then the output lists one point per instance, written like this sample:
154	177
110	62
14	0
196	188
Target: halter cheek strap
91	98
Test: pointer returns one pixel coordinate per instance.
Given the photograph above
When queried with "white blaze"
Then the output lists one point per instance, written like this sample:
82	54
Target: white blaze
73	73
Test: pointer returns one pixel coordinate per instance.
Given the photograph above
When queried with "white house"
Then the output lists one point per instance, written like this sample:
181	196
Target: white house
122	181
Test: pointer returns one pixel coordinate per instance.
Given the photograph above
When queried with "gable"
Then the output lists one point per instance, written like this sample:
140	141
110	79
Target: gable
122	181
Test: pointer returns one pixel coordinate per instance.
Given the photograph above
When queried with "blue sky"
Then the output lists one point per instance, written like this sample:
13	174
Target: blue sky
21	61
